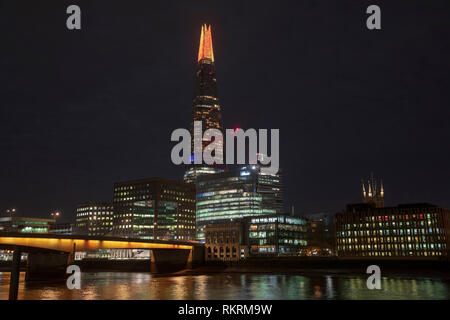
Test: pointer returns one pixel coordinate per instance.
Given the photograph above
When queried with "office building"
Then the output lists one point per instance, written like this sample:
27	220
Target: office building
225	242
94	218
236	194
154	208
25	224
62	228
276	235
410	230
320	234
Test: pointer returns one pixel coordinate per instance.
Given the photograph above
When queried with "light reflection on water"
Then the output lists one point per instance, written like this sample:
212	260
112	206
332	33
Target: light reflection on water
138	286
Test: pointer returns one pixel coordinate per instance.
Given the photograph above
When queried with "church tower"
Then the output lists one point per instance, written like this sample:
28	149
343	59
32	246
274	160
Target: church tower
373	193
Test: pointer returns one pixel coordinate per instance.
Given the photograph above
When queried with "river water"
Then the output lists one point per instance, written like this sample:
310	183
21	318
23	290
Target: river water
243	286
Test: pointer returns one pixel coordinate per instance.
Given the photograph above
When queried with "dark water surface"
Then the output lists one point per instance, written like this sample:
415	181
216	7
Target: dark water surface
124	285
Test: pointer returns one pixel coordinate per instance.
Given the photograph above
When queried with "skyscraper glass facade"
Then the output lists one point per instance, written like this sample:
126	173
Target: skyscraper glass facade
236	194
205	107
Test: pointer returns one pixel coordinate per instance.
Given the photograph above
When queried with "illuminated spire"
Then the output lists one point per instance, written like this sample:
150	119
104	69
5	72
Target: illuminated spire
363	189
370	189
372	183
205	50
373	192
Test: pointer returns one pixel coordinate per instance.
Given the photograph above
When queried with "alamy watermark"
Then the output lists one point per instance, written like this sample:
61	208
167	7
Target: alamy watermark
74	280
374	281
213	152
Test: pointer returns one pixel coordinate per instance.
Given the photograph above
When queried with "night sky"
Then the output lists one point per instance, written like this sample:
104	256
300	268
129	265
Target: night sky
80	110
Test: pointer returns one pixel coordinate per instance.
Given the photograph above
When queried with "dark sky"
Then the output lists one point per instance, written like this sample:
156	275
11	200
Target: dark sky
80	110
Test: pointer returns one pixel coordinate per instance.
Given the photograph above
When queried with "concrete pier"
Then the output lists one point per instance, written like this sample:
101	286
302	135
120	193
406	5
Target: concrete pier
46	266
15	274
170	260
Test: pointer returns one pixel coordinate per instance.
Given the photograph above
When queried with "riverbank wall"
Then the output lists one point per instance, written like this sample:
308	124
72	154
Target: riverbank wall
271	265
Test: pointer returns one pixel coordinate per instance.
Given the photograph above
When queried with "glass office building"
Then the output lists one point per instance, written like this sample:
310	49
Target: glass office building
154	208
276	235
236	194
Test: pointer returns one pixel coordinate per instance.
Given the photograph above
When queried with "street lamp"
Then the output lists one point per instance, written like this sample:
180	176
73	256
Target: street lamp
11	211
55	214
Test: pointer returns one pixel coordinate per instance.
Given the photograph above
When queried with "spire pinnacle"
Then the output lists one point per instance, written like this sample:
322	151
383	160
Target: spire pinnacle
205	50
370	189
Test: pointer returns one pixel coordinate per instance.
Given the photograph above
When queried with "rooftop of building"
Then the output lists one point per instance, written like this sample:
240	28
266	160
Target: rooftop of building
95	203
242	171
153	180
354	207
28	219
283	218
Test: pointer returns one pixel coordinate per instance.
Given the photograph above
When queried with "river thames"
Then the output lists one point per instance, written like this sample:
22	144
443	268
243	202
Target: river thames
223	286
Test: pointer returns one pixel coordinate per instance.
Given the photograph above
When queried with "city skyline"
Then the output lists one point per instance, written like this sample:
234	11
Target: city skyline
225	159
78	124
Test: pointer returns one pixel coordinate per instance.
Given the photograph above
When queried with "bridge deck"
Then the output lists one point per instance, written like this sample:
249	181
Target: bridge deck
70	243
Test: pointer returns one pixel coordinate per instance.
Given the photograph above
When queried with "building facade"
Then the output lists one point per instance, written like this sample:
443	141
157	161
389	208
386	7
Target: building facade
320	235
205	107
94	218
271	235
277	235
411	230
236	194
25	225
225	242
62	228
154	208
